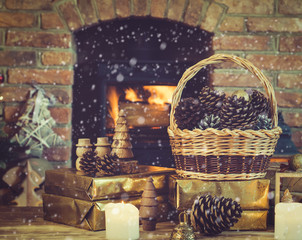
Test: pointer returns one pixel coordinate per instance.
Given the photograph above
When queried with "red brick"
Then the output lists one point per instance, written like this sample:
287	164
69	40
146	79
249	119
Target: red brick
292	119
232	24
212	17
20	94
274	24
38	39
57	154
289	99
51	21
158	8
57	58
29	4
87	11
106	9
235	80
14	58
291	44
249	7
276	62
61	115
297	138
12	113
290	80
140	7
176	9
290	7
63	132
13	94
193	12
241	43
71	15
17	19
122	8
49	76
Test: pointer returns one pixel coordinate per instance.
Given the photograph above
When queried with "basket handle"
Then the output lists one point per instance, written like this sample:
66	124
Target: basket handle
218	58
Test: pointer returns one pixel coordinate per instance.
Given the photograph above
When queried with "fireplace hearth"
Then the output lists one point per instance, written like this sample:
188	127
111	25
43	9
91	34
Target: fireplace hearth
138	55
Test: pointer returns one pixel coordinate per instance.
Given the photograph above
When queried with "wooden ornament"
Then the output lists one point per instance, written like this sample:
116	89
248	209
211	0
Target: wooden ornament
148	208
102	147
121	145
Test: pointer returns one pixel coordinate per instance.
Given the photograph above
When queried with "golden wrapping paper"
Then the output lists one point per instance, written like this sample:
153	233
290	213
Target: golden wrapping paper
251	194
71	183
89	215
252	220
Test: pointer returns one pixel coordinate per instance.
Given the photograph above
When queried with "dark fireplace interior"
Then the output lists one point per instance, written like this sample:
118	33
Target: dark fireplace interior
134	64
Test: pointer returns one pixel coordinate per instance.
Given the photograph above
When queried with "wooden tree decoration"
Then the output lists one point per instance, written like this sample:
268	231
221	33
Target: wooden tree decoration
35	124
26	179
148	208
121	145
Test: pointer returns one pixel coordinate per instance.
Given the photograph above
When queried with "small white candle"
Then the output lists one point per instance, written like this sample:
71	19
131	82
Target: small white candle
288	221
122	221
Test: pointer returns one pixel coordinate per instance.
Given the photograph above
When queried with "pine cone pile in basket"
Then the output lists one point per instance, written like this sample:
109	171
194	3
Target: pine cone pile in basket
242	110
237	112
188	113
213	215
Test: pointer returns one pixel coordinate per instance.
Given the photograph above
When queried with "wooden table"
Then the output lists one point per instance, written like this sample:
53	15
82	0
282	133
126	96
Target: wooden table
27	223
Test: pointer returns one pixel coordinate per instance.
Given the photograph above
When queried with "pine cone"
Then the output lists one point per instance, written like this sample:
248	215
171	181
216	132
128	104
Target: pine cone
211	100
260	103
107	165
88	162
263	122
209	121
188	113
237	113
213	215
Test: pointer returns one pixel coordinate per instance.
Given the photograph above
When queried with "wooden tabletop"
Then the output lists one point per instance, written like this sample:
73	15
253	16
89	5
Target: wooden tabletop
20	223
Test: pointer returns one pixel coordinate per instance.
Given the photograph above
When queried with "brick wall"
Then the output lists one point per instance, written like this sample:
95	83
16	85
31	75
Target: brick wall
36	46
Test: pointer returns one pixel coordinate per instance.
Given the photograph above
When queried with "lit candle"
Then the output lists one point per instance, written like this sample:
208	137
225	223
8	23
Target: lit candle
288	219
122	221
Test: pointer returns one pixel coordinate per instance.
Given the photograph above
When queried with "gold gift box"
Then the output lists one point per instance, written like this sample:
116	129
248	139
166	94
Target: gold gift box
71	183
89	215
251	194
251	220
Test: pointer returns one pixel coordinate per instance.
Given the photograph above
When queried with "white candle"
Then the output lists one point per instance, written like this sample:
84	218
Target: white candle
122	221
288	221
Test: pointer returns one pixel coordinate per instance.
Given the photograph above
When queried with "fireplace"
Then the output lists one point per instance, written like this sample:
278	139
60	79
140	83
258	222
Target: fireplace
134	64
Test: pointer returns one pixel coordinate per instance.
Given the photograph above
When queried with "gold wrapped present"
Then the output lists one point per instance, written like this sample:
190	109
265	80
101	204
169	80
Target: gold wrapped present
89	215
252	220
71	183
251	194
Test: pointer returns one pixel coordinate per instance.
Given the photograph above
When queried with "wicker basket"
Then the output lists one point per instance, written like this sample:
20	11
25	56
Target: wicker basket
225	154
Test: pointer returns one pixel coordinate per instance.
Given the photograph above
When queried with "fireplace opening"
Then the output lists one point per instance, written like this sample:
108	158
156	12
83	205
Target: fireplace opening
135	64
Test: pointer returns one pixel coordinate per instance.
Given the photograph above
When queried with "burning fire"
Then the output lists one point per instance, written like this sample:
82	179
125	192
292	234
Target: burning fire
113	102
160	95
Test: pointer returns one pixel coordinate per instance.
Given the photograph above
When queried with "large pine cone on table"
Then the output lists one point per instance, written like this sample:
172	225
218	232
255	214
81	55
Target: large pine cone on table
213	215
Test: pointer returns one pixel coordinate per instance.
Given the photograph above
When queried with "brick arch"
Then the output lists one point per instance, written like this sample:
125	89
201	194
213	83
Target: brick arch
197	13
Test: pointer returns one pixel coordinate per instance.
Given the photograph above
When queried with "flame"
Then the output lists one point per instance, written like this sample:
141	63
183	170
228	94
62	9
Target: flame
160	94
112	97
131	95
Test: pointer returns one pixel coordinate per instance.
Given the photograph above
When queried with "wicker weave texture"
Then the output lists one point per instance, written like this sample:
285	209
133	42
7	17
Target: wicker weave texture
213	142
